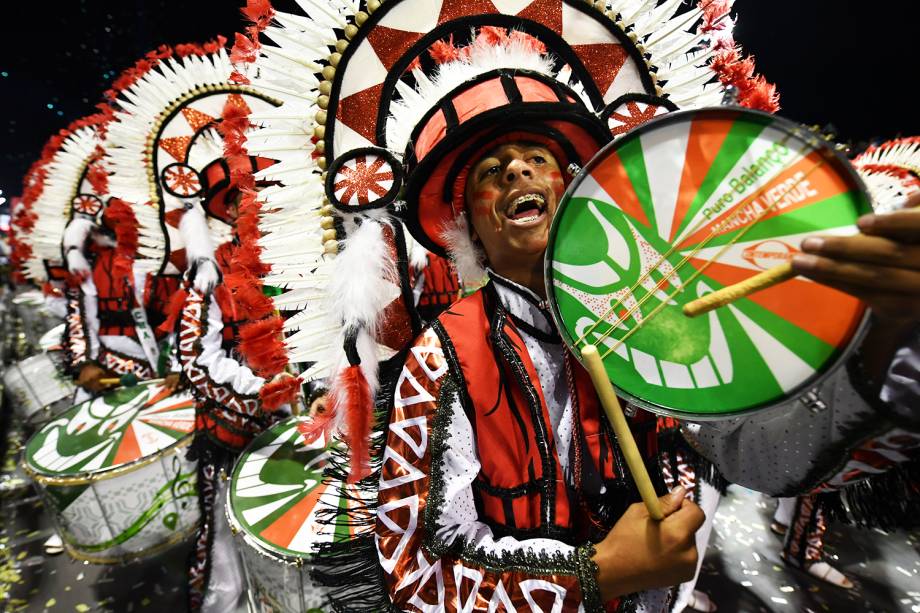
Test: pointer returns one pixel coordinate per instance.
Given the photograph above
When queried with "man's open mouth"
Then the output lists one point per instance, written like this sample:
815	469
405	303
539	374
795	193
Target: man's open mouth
526	208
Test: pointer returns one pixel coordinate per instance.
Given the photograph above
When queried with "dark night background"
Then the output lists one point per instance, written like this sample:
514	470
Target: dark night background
845	63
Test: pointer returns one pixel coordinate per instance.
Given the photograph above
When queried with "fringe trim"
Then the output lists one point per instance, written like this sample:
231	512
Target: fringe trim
351	570
889	501
672	442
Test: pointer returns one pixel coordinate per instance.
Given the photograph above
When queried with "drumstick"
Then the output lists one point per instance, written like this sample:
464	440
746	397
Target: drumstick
614	411
727	295
127	380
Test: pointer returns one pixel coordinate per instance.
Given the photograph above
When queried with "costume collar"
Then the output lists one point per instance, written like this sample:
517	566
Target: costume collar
524	306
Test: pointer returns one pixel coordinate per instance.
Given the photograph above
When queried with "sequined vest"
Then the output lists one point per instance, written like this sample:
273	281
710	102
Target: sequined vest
520	490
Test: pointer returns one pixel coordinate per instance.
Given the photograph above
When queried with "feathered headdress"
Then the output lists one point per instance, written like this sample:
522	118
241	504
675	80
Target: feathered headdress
891	171
165	136
66	184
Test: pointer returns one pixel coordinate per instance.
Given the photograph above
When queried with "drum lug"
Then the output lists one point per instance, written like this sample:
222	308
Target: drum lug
812	400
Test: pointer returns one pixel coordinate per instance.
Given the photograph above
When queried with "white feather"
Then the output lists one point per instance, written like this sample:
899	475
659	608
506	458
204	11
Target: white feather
468	259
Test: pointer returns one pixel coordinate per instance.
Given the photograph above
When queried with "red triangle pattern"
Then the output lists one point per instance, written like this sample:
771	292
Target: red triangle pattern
603	61
174	217
359	111
547	12
176	146
196	118
451	9
177	258
239	102
390	44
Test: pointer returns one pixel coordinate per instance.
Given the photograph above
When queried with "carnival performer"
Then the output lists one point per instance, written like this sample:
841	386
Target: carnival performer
499	485
183	122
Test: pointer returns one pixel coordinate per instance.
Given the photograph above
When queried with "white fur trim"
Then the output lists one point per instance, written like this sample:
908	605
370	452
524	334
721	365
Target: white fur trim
468	259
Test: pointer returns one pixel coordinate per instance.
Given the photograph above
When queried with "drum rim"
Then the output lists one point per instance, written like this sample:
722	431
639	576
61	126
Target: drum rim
103	474
787	125
174	539
236	526
14	367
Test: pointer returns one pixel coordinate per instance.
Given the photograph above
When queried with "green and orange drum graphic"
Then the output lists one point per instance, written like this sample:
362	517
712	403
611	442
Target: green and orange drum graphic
281	507
113	472
685	205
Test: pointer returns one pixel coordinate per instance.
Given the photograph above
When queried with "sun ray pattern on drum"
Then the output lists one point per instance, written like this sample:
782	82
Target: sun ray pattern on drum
284	510
744	189
113	470
120	427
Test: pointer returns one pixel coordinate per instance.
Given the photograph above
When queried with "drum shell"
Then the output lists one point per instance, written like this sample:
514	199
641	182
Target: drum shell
276	584
38	389
279	576
139	510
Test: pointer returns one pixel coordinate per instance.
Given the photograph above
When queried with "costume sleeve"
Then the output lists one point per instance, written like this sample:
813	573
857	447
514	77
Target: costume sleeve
435	553
203	360
819	441
81	333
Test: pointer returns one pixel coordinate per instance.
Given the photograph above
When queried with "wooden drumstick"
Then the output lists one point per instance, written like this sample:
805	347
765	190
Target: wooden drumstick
614	411
727	295
128	380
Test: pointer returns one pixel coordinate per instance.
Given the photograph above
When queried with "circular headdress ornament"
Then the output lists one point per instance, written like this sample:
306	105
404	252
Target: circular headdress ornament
363	179
181	180
87	204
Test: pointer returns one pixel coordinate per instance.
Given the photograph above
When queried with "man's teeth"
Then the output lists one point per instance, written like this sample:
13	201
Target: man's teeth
538	200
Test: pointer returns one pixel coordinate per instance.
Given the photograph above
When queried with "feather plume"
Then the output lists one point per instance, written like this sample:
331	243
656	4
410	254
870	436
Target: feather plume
277	393
173	311
352	397
261	344
468	258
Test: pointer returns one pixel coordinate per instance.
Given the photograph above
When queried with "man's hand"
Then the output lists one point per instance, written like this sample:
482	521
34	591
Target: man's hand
640	553
880	266
89	378
171	382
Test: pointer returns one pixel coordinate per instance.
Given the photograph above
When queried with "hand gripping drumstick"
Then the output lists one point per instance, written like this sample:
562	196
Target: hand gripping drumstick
727	295
614	411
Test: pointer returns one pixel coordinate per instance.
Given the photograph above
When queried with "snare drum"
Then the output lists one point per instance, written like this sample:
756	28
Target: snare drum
274	506
113	473
687	204
38	388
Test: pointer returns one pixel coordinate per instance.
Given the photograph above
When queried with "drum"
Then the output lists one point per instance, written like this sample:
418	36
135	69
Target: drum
113	473
687	204
38	387
275	506
52	339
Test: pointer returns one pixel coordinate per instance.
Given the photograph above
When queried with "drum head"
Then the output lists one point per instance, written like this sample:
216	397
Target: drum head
685	205
110	432
277	493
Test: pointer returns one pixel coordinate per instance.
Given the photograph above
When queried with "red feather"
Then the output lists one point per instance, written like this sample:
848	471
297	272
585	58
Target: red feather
277	393
173	311
260	12
261	345
352	397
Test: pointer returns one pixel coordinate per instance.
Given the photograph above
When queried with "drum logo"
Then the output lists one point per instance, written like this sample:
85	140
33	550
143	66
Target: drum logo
767	254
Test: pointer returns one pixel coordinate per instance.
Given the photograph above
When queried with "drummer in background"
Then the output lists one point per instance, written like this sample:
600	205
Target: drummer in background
230	412
486	499
107	335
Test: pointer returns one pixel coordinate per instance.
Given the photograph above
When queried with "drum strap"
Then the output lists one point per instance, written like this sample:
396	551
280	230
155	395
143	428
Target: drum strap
145	335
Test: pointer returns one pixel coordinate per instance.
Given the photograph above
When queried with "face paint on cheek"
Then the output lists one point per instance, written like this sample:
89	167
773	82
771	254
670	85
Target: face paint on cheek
483	201
557	183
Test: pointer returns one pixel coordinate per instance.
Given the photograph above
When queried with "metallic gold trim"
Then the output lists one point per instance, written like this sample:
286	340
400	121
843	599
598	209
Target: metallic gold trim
176	538
105	474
